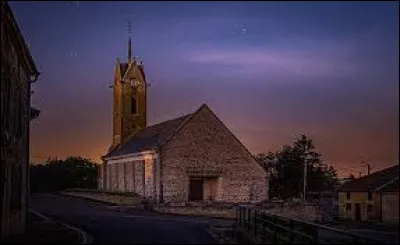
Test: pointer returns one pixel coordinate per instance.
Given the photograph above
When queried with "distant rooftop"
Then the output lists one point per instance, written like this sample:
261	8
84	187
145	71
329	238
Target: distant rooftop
383	180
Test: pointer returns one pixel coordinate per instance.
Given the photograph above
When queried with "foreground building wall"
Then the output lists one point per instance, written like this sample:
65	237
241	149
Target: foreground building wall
17	73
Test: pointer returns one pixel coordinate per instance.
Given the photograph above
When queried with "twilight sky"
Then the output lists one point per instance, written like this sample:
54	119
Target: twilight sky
269	70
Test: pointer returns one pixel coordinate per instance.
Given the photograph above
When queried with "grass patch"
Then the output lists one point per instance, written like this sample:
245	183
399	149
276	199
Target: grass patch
199	211
116	198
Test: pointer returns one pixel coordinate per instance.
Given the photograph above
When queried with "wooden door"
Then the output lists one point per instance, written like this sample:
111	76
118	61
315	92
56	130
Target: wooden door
195	190
358	211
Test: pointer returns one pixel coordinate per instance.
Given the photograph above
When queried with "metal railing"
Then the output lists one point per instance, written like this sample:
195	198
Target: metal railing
265	227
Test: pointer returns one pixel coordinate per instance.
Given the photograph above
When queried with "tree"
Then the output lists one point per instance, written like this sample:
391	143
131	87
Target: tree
286	168
55	175
267	162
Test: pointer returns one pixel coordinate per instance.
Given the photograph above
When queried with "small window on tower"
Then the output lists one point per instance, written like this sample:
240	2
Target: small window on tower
133	105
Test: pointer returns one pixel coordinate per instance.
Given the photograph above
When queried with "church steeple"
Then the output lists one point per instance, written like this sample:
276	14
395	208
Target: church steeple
129	49
130	88
129	42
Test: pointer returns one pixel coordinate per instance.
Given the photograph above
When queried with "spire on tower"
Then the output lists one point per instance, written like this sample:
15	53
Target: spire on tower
129	49
129	42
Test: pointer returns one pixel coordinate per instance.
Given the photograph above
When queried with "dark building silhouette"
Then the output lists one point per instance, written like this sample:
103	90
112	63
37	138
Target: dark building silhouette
18	72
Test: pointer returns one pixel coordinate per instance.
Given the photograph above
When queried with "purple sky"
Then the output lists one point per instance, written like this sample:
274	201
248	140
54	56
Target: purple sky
269	70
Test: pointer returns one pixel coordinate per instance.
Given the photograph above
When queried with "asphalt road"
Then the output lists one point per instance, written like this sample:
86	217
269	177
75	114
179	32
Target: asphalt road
387	237
110	226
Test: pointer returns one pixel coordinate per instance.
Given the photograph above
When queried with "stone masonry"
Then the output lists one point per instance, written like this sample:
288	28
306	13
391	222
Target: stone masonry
205	143
202	146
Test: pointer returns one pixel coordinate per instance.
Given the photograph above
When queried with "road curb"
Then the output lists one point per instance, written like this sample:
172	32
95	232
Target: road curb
225	235
213	235
87	199
122	208
85	238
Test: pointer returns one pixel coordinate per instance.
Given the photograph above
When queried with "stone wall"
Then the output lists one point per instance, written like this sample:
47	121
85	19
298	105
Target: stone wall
390	208
205	144
121	176
101	177
114	177
138	176
130	177
149	176
108	174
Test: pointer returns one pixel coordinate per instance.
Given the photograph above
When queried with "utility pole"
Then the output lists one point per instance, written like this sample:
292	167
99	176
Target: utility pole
304	181
368	167
306	160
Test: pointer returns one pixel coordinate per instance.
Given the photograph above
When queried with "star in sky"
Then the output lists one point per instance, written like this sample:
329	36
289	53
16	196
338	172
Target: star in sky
73	5
242	28
73	54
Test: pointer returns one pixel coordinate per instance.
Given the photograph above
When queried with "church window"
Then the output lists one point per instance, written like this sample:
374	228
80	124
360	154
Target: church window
133	105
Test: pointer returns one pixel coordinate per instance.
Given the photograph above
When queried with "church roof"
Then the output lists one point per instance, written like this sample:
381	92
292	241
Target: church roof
148	138
123	67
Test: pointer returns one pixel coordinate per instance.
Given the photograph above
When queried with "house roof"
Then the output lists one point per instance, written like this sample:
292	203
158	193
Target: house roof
382	180
392	186
149	138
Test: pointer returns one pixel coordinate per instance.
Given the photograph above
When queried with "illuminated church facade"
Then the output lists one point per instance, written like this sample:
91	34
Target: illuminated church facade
191	158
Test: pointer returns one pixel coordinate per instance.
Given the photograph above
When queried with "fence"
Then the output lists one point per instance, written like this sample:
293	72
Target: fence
265	227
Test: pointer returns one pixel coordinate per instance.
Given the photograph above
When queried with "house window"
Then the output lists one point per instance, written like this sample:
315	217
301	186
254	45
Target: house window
369	196
348	206
133	105
348	195
369	208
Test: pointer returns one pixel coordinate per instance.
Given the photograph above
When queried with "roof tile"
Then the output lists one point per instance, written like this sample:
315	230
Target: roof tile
148	138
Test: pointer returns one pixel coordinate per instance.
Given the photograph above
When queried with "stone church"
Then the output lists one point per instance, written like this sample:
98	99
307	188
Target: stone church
193	157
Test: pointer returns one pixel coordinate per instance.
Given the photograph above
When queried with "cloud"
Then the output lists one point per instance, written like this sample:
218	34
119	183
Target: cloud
352	56
264	60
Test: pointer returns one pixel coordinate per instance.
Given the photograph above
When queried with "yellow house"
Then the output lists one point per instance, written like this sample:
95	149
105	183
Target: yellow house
374	197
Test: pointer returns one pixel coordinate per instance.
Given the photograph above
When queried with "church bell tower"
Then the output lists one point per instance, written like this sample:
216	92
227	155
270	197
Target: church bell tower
129	89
